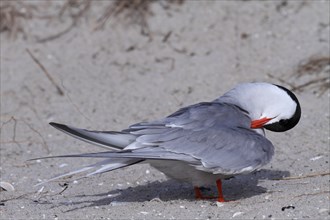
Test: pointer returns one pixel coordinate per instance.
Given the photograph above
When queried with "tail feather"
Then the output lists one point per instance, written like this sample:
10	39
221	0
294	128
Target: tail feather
113	166
144	154
106	139
101	167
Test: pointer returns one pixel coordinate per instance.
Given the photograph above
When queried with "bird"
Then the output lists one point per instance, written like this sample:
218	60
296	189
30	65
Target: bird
202	143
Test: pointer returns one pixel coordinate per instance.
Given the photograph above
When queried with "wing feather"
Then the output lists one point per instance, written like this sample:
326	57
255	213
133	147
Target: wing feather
218	135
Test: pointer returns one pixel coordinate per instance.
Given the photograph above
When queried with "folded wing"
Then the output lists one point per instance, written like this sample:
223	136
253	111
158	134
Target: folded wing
213	137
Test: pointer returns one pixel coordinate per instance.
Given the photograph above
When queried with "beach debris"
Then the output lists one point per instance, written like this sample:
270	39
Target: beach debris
288	207
63	165
315	71
65	187
15	15
40	190
219	204
315	158
310	74
157	199
237	214
5	186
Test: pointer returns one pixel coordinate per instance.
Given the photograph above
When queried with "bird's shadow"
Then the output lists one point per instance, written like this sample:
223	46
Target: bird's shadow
234	189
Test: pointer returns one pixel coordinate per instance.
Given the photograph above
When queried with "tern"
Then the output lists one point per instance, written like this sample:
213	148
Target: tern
202	143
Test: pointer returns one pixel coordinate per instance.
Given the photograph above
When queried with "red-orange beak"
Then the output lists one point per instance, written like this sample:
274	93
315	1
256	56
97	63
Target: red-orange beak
259	123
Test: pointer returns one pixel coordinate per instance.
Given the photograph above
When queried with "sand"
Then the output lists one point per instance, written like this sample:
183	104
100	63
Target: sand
116	76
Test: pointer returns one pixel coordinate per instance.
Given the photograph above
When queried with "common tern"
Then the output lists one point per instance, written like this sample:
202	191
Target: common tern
201	143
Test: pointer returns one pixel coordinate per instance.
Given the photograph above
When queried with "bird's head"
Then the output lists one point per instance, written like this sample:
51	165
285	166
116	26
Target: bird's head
269	106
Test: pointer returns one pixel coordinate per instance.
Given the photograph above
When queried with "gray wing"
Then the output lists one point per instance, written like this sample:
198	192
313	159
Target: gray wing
214	137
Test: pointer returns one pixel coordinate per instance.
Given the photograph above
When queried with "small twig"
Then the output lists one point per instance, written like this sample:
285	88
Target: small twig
75	18
136	10
111	9
15	142
59	90
167	36
65	185
305	176
313	66
43	140
74	105
18	197
315	70
39	193
14	130
300	87
14	133
43	195
59	34
313	194
280	80
6	122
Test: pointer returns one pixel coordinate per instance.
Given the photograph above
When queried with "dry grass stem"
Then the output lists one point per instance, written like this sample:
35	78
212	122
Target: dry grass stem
317	70
38	133
304	176
14	15
74	105
313	73
51	79
14	130
136	10
313	194
77	9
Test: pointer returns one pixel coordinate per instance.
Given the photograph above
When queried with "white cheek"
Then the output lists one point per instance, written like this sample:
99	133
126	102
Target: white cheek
272	121
278	113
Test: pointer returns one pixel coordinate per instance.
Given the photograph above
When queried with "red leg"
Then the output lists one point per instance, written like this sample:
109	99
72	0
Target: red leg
198	193
220	196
